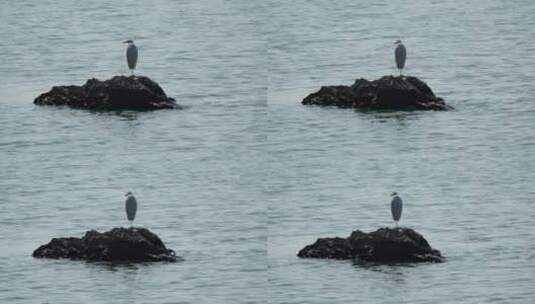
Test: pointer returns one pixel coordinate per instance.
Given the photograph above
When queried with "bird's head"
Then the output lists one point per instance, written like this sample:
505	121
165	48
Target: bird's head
397	42
128	193
128	41
394	194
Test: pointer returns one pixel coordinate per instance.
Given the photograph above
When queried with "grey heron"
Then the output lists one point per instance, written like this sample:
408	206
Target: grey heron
130	207
131	55
401	55
396	206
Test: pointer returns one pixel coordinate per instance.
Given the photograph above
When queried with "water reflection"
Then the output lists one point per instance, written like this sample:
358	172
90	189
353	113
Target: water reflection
390	268
127	266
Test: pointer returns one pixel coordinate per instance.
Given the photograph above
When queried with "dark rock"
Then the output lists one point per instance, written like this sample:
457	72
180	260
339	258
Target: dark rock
386	93
118	93
118	244
385	245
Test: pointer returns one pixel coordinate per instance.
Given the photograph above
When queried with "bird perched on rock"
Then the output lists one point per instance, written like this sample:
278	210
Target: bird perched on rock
396	205
130	207
400	54
131	55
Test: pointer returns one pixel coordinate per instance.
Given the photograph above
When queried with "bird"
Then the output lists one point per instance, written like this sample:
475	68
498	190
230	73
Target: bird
396	206
400	54
131	55
130	207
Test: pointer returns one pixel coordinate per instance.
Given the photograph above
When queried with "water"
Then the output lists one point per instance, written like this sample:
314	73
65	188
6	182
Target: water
245	176
192	171
466	176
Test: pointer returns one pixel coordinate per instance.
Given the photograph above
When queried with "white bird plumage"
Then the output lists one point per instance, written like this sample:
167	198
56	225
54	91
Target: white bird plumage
396	206
401	55
131	55
130	207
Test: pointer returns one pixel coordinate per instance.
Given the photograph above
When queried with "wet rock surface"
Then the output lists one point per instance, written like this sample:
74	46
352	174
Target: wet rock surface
385	245
137	93
386	93
118	244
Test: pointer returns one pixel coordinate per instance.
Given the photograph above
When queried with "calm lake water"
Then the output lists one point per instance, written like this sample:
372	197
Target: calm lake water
246	176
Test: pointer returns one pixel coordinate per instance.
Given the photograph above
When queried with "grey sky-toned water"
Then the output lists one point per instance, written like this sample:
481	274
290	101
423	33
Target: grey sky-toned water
245	176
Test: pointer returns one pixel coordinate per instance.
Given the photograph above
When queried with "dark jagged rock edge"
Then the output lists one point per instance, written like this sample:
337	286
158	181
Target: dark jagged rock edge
386	93
118	93
118	244
386	245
